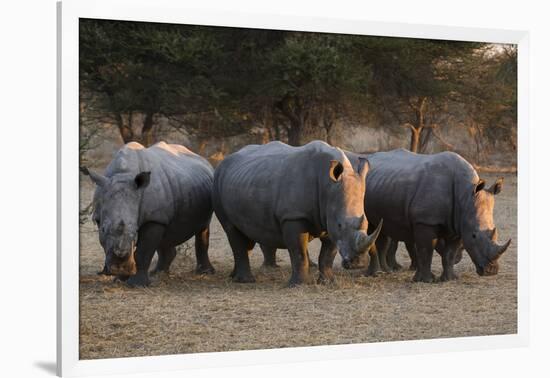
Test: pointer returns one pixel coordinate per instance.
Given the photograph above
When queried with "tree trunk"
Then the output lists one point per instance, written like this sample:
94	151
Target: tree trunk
275	126
415	139
328	117
147	130
328	128
277	130
416	130
267	122
295	134
477	131
329	138
292	108
425	136
126	131
266	137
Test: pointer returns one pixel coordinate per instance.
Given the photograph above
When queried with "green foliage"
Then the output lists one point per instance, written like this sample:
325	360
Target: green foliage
486	83
224	81
147	67
405	69
314	66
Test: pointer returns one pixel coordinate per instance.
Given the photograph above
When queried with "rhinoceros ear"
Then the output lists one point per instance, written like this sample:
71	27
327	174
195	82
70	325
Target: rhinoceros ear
98	179
335	171
480	185
142	180
496	188
363	168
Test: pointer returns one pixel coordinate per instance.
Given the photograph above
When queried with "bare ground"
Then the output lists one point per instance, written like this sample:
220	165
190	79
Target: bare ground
185	313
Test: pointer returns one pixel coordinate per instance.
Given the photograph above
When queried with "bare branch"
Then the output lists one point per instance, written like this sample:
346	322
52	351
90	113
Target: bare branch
435	132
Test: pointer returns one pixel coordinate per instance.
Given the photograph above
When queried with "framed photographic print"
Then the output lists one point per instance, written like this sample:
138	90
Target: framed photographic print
273	188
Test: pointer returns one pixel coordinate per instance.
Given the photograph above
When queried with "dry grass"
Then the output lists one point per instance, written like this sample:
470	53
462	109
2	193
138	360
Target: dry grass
185	313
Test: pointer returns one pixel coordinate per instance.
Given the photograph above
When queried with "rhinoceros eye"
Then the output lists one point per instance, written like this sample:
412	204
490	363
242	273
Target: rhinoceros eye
474	235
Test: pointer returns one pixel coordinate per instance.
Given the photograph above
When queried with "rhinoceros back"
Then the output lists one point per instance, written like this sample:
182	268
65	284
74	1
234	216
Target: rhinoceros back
180	184
261	186
405	188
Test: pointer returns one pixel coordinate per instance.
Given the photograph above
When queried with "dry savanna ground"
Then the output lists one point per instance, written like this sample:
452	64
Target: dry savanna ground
184	313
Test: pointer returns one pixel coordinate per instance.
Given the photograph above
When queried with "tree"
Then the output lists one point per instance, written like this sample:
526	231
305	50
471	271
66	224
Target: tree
218	81
411	78
148	69
485	86
312	72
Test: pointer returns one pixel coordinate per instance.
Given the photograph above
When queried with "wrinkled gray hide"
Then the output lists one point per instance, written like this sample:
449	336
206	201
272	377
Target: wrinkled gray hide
282	197
152	199
424	198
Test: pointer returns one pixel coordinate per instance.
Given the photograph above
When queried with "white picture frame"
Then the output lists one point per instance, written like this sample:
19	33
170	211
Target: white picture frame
69	12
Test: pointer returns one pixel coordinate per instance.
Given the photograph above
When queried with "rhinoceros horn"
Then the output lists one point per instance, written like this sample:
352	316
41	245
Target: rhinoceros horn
500	249
97	178
364	242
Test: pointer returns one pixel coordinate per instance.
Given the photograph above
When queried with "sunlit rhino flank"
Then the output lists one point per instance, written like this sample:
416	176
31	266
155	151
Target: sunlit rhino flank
282	197
152	199
432	201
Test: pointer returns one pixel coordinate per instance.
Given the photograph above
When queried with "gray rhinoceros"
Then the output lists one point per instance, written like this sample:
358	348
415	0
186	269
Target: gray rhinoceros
152	199
427	198
283	197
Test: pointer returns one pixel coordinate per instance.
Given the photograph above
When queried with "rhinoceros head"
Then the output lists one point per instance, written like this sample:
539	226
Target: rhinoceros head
346	221
479	233
116	213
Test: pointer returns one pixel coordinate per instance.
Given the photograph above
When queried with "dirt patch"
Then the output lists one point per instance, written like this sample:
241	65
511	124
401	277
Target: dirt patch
184	313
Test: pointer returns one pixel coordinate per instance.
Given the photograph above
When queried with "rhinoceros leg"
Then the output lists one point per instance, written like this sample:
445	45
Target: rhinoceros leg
374	263
270	260
458	256
240	245
326	260
382	245
378	258
390	256
166	256
411	250
105	271
441	245
379	255
201	251
424	237
296	238
149	238
448	256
